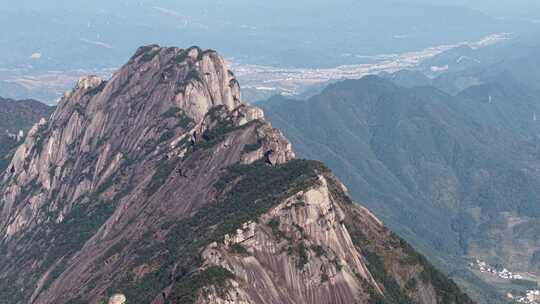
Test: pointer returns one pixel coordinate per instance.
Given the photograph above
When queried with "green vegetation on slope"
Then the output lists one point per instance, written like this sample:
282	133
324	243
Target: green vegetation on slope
246	192
447	291
448	173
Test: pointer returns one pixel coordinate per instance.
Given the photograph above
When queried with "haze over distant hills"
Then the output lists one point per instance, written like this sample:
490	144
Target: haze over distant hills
527	10
279	28
95	37
456	173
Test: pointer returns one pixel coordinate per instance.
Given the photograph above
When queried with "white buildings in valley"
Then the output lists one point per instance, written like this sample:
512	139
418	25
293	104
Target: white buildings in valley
503	274
531	297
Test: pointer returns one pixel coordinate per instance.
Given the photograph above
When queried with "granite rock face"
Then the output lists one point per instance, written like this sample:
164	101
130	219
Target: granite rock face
16	118
160	186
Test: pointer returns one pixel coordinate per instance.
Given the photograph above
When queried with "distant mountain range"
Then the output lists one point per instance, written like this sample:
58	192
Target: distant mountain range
464	67
456	175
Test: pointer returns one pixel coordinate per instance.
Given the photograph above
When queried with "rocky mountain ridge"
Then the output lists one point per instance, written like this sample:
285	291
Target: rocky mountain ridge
160	186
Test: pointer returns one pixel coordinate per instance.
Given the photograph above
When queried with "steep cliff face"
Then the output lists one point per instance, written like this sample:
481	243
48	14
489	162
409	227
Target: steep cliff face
316	246
160	186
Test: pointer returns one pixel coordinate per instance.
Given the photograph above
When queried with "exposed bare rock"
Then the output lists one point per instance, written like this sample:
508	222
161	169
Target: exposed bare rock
118	299
328	265
88	82
16	118
159	186
302	251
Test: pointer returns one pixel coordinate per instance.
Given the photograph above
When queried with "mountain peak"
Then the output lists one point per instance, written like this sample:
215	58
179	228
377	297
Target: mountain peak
190	79
160	186
163	101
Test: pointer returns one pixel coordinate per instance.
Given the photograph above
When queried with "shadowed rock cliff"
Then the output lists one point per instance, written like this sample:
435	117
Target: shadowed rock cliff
16	117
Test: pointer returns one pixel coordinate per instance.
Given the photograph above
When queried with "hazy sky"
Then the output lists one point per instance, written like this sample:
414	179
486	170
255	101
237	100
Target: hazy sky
74	35
277	32
498	7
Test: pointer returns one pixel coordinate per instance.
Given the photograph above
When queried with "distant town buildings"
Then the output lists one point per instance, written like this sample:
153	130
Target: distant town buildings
532	297
503	274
